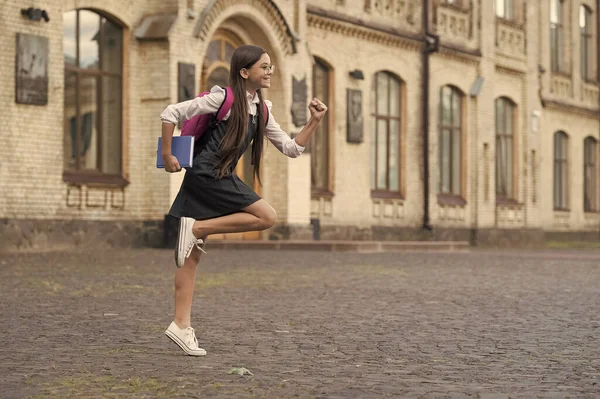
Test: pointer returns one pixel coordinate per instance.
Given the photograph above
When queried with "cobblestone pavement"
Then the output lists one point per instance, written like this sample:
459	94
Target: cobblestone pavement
306	324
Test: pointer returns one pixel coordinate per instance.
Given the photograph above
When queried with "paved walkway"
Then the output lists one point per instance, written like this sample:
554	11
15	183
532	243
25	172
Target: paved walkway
306	324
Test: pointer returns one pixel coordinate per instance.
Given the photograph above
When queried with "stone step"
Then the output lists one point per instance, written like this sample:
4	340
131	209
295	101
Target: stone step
341	246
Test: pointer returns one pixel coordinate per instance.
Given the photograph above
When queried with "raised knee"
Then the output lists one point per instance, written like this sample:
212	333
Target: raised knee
269	219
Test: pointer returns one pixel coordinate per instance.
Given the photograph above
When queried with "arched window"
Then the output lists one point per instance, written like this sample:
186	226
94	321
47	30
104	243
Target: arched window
561	168
506	182
386	108
93	56
319	144
450	140
590	174
215	71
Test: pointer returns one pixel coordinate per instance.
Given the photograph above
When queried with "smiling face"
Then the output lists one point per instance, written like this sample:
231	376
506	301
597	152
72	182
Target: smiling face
258	76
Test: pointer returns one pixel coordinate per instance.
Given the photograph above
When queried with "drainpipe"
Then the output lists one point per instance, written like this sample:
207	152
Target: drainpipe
431	45
598	81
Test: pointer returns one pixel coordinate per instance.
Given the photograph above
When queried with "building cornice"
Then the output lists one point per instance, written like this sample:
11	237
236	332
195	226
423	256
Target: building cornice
357	28
570	108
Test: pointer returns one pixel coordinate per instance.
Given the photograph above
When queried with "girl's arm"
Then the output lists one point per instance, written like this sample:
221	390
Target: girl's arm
282	141
176	113
207	104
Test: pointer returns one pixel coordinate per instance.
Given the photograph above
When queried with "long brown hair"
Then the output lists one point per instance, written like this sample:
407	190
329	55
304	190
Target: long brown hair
237	125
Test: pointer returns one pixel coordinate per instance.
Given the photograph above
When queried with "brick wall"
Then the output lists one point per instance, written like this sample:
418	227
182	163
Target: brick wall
34	135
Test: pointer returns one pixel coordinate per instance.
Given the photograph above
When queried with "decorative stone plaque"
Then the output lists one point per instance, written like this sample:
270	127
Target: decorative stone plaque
299	105
31	77
354	116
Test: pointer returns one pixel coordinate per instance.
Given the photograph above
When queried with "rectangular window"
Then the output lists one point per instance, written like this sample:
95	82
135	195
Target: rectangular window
386	139
586	44
450	141
560	171
505	114
505	9
590	175
556	36
93	65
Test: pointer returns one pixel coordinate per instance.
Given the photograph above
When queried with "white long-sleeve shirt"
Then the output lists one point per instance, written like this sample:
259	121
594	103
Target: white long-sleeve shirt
210	103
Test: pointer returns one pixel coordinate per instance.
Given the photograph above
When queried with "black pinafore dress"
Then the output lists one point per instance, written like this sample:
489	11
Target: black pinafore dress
202	195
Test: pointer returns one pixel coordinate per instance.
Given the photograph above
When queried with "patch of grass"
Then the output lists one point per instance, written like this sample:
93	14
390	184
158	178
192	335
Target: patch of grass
146	385
573	244
99	290
88	385
73	386
153	329
49	286
210	280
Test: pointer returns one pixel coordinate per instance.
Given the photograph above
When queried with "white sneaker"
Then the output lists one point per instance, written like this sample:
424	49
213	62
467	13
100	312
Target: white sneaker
185	338
186	241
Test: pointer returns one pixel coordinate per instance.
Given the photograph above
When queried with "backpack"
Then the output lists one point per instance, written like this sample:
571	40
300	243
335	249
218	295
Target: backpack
199	124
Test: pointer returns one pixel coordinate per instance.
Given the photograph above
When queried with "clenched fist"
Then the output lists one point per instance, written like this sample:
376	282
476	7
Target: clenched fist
317	109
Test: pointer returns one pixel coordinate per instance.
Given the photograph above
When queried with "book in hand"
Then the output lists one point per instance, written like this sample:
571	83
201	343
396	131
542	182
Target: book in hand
182	147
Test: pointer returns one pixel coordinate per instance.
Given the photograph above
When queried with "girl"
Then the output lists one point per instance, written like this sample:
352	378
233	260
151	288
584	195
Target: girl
212	198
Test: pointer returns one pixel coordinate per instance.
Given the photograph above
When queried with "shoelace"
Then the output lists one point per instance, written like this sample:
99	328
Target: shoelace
197	242
191	337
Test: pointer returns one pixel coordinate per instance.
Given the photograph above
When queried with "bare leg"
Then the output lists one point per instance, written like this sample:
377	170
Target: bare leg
185	281
258	216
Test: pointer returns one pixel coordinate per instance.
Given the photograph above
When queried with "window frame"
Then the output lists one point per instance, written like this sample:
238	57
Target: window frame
560	171
557	28
512	137
507	11
591	166
224	37
457	97
586	45
79	175
376	117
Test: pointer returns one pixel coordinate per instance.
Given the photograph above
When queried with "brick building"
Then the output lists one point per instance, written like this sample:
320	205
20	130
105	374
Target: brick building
507	91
